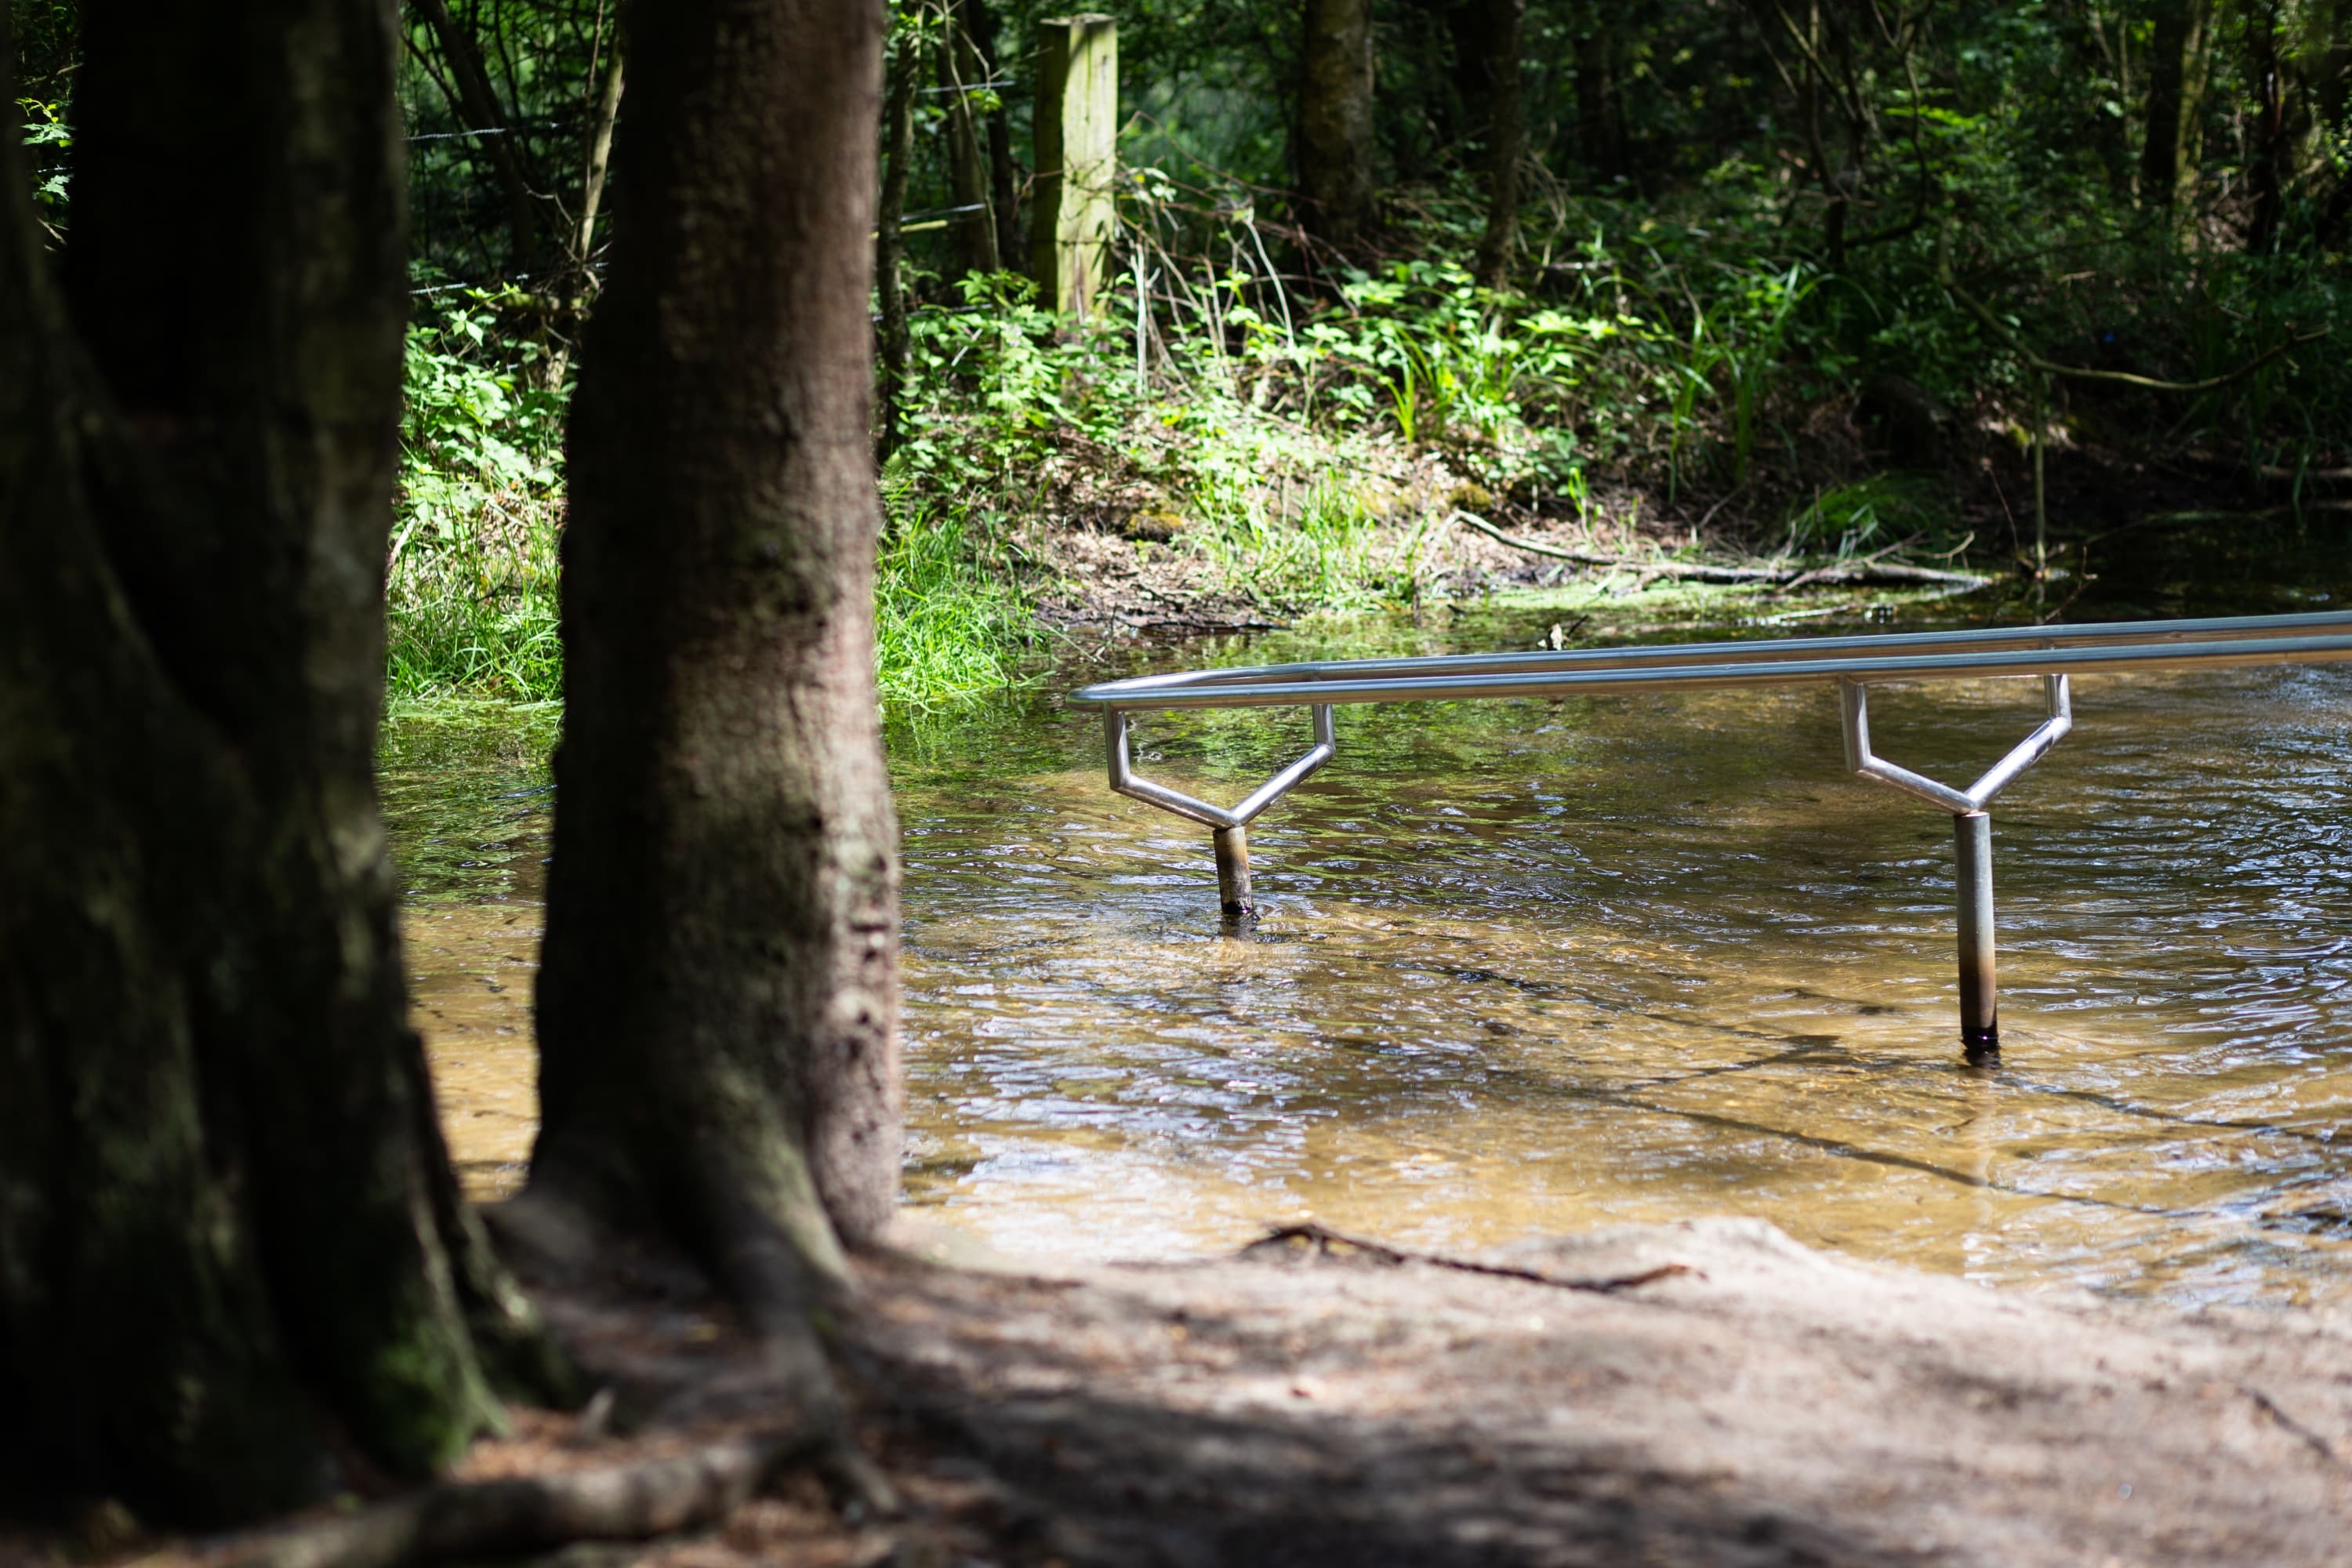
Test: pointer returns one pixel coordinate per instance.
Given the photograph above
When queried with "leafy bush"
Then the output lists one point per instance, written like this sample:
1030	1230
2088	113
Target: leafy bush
472	568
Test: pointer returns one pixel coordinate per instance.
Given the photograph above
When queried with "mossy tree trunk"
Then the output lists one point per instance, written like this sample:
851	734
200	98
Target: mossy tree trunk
718	1001
1335	120
232	1256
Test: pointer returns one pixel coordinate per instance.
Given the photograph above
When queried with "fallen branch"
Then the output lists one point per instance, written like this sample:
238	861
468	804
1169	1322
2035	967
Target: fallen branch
1324	1238
506	1518
1854	575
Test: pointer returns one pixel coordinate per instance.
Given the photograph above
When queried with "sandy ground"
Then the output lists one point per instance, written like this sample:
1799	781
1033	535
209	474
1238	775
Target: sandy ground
1763	1404
1702	1394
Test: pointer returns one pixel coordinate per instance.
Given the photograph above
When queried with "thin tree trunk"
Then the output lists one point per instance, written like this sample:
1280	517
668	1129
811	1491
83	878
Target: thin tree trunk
2267	174
2173	142
2330	50
1506	138
958	67
718	1002
1600	142
598	157
1003	175
230	1243
477	104
1335	120
596	152
890	241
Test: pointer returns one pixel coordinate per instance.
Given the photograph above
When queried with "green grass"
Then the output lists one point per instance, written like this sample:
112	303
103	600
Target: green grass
474	613
472	610
951	622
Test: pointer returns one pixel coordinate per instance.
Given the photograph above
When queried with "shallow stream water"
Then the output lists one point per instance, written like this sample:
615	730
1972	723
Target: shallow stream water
1535	966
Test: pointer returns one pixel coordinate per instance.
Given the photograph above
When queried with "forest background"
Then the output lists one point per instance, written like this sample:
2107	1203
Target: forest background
1794	279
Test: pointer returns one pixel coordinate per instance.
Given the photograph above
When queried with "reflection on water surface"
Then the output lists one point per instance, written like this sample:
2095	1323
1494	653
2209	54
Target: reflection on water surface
1532	967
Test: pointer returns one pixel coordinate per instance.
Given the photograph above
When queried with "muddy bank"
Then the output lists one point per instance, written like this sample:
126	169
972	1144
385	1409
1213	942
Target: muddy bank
1109	554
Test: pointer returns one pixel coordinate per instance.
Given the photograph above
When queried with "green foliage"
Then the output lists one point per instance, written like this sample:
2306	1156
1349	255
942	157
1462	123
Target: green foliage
1885	509
48	138
1701	293
472	569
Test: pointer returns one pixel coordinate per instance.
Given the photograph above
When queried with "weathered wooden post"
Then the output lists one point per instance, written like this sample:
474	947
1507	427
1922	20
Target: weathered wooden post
1077	132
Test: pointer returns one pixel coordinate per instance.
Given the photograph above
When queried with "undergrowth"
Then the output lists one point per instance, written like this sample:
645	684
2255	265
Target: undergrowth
471	575
1306	446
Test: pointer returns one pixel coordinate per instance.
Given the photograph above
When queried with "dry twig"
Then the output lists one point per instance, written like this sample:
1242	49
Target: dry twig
1324	1238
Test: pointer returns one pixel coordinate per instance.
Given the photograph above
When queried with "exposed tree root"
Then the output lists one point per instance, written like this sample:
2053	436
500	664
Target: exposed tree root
621	1502
1852	575
1324	1238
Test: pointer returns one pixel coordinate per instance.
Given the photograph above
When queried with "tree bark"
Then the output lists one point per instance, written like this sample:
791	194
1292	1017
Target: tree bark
230	1242
1335	122
717	1000
1505	137
2177	70
968	180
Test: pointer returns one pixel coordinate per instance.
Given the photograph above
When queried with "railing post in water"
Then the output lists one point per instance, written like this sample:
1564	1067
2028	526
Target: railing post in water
1228	825
1971	840
1232	874
1979	996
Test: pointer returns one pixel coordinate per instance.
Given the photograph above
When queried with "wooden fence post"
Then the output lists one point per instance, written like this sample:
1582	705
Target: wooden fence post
1076	132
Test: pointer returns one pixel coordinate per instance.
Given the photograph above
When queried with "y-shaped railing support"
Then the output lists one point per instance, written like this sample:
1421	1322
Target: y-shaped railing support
1232	827
1972	841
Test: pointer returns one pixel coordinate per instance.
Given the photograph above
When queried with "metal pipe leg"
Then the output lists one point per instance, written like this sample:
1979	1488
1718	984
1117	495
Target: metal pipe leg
1979	999
1232	873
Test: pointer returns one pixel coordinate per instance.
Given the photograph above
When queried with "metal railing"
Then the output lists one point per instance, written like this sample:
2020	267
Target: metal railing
1854	664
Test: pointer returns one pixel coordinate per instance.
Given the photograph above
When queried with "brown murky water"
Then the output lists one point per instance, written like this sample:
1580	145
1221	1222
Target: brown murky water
1534	967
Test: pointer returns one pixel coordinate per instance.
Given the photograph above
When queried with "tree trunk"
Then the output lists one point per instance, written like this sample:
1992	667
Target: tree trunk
1335	122
718	1001
2177	70
230	1242
1003	175
478	109
2266	174
596	157
1599	137
890	241
958	68
1506	138
2329	50
1459	116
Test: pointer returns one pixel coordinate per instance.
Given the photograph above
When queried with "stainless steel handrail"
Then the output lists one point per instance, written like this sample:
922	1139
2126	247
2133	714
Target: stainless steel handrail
1752	666
1852	663
1156	690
